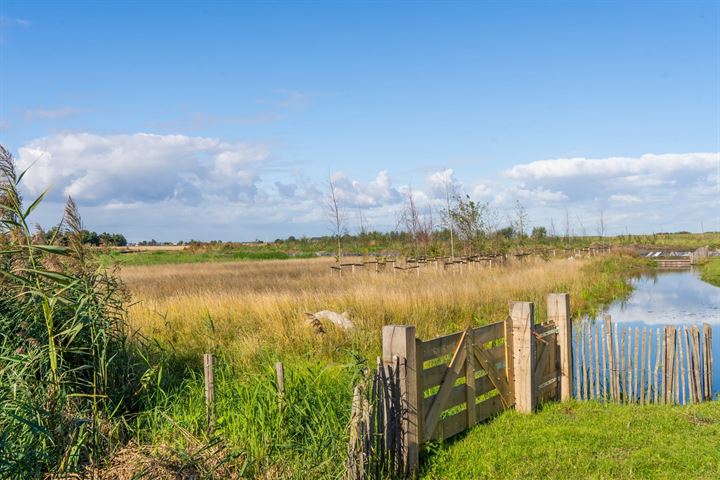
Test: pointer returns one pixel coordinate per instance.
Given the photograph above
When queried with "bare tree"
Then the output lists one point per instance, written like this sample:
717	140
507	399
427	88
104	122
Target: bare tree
410	217
568	231
335	213
520	220
449	192
601	225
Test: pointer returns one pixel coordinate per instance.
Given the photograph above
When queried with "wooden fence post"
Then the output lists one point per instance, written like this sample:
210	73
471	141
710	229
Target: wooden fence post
522	316
209	391
280	372
707	360
399	340
558	308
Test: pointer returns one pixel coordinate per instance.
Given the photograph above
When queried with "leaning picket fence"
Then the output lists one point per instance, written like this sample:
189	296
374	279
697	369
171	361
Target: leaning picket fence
442	387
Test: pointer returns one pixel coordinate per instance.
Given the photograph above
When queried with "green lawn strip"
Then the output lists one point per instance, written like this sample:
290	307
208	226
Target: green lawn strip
711	271
587	440
171	257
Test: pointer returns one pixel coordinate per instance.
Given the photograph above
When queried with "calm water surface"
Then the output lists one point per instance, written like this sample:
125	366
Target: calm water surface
672	297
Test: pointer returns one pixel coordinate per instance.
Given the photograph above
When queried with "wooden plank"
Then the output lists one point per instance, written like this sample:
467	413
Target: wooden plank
617	365
488	364
603	361
636	358
558	307
707	360
658	366
642	367
681	363
523	322
456	364
440	346
488	333
695	337
576	361
623	366
457	423
597	361
583	341
509	377
470	380
400	341
591	373
669	364
611	357
483	385
433	376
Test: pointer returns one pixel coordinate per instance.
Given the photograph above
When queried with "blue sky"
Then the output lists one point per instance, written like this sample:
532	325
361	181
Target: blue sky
223	120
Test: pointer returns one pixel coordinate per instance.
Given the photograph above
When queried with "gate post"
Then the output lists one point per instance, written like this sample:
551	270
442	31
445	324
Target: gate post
522	316
558	308
400	340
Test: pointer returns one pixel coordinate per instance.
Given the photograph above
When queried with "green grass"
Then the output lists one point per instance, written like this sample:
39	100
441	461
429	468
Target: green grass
587	440
168	257
711	271
305	436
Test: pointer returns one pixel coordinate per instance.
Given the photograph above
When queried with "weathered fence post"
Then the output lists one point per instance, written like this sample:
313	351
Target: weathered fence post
280	372
558	308
522	316
209	391
707	360
399	340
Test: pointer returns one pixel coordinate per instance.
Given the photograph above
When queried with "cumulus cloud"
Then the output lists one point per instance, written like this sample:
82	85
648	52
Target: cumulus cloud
645	165
376	193
98	169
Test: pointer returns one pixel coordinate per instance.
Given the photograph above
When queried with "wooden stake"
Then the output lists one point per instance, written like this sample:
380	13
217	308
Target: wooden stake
635	393
597	361
611	356
558	308
681	363
604	362
658	364
623	373
583	336
280	373
642	368
707	361
399	340
523	328
209	391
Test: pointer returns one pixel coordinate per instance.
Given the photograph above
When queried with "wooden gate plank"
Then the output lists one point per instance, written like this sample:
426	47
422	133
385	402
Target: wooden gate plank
456	364
486	362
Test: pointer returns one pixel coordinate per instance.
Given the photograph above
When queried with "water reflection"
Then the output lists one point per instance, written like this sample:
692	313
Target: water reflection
672	297
669	298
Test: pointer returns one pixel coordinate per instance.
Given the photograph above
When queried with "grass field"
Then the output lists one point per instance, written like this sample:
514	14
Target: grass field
587	440
251	314
711	271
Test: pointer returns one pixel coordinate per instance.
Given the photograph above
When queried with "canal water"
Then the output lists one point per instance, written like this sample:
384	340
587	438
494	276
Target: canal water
672	297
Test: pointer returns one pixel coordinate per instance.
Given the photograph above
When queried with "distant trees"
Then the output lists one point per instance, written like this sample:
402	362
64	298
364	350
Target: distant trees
89	238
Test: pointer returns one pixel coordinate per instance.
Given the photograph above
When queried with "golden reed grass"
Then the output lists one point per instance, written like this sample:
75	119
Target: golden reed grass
252	308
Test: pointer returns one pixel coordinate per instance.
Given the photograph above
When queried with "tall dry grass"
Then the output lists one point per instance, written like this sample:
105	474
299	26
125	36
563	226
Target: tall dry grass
253	308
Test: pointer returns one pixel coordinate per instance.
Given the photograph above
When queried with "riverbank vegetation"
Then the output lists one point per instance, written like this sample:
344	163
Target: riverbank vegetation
711	271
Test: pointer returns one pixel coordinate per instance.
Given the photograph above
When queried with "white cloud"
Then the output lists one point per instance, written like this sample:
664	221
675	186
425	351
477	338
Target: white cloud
624	198
648	164
98	169
376	193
